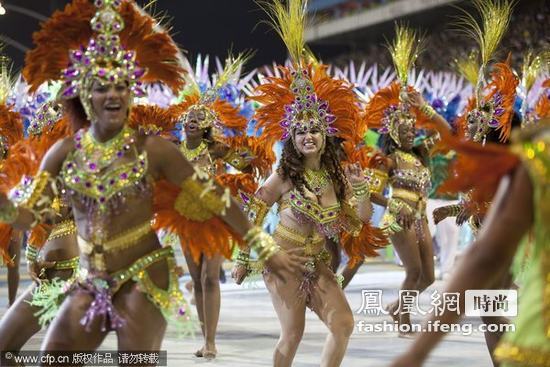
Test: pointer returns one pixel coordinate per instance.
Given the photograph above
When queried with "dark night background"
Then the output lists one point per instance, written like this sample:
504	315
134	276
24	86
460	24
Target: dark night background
198	26
214	26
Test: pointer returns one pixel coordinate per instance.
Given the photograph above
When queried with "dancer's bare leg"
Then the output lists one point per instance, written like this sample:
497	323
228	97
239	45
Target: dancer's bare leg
14	251
330	304
425	246
195	270
290	309
406	245
19	324
210	280
144	325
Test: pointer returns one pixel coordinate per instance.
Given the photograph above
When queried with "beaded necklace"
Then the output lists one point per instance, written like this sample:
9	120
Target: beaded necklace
317	180
98	155
91	173
192	155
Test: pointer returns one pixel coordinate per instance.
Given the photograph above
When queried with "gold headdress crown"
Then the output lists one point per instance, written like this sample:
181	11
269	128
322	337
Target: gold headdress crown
104	58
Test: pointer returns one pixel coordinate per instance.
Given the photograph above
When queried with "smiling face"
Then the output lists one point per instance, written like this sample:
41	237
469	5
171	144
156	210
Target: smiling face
309	141
110	104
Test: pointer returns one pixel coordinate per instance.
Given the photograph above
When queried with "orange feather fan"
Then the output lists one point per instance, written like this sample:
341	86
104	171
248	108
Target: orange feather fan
275	94
147	118
244	182
70	28
6	232
365	156
39	235
24	160
363	245
209	238
462	120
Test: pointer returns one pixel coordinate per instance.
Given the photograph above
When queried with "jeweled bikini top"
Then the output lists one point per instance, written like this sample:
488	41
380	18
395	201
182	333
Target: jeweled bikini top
328	221
92	174
417	178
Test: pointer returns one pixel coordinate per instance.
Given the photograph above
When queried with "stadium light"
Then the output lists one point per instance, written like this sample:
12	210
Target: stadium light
2	10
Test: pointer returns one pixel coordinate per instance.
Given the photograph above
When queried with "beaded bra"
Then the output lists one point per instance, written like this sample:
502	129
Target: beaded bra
91	174
328	221
417	179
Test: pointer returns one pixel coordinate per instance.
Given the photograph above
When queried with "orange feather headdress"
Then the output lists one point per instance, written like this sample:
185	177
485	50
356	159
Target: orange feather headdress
219	114
388	109
304	96
128	44
496	107
216	112
283	108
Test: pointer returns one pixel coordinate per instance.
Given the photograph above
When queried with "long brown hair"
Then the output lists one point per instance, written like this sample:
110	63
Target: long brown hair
292	167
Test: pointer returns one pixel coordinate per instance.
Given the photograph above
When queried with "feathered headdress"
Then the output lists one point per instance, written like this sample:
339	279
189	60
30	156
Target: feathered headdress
494	102
304	95
388	108
218	113
123	43
11	123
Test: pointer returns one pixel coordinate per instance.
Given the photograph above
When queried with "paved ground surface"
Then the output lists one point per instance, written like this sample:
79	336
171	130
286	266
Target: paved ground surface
248	330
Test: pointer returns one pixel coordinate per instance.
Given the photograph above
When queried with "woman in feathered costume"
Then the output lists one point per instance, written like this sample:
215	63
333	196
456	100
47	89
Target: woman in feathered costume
398	111
128	282
214	133
317	197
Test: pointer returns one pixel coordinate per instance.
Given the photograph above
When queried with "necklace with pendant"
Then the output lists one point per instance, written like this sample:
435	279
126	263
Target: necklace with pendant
193	154
317	180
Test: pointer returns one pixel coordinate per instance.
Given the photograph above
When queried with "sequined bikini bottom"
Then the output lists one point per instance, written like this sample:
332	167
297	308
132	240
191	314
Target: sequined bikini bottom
102	287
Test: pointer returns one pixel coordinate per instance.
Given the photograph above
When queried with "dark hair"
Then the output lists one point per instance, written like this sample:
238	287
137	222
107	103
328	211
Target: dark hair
292	167
74	109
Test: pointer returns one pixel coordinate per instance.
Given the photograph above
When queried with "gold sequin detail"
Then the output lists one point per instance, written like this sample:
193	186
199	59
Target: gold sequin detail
62	229
196	204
